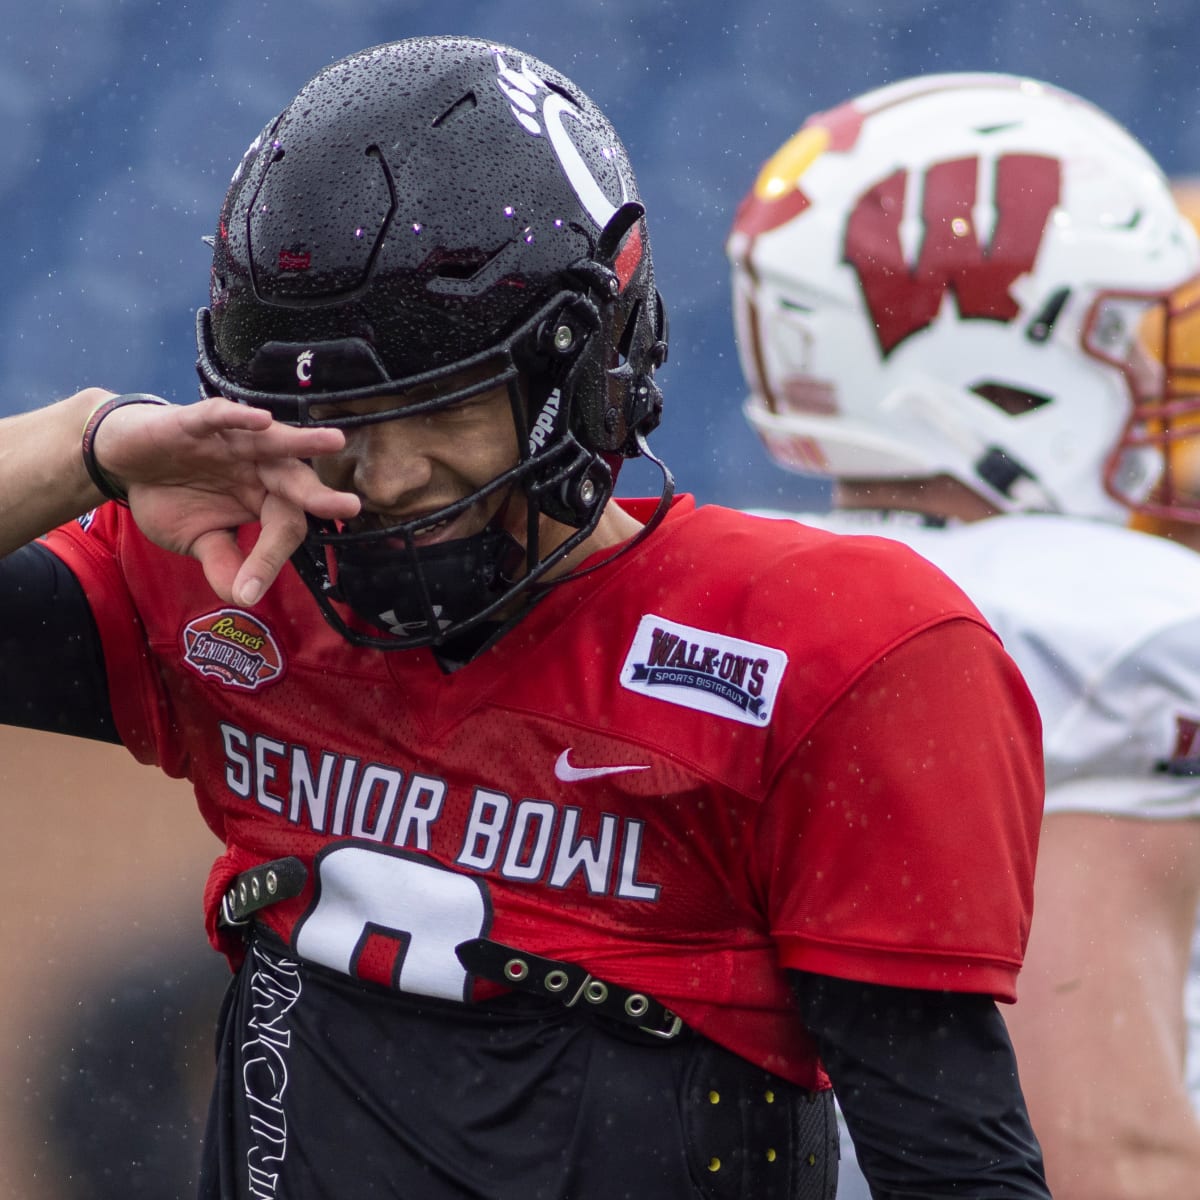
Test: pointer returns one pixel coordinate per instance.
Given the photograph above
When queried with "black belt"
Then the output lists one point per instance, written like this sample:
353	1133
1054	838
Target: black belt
569	983
268	883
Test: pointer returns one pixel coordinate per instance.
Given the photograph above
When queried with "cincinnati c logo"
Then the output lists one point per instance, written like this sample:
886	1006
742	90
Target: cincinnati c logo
902	298
528	96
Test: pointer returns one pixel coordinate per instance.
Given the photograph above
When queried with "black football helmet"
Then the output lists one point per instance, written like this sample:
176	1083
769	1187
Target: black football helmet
430	208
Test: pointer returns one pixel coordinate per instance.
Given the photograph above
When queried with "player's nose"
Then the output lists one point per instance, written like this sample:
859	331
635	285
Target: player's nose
389	462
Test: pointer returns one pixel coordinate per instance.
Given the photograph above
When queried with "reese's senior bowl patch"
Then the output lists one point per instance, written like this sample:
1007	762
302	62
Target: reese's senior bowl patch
233	647
707	671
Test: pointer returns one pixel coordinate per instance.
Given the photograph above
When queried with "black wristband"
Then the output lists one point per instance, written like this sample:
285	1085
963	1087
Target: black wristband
105	484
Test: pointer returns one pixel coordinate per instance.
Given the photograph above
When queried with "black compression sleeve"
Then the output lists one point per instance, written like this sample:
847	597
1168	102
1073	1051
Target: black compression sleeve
50	654
928	1085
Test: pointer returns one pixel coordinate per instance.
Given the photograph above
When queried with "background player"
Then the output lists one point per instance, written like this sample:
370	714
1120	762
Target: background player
943	292
1186	465
523	795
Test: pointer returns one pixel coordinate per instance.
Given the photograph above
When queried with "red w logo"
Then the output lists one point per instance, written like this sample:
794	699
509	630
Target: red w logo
903	299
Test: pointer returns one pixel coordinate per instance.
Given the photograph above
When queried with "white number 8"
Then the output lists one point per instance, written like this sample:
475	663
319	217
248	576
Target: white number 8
425	907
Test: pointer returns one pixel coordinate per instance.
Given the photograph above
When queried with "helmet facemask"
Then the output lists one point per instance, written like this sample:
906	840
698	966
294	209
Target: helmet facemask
1163	369
421	595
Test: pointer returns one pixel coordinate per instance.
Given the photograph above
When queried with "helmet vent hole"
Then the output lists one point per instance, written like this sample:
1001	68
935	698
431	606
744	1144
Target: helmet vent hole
627	334
1002	127
1042	325
461	106
1012	400
458	265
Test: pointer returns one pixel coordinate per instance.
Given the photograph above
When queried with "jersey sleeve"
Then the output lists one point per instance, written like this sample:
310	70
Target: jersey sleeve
1128	744
92	548
897	845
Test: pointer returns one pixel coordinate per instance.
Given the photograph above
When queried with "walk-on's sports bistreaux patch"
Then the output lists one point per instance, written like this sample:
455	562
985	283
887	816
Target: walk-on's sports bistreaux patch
708	671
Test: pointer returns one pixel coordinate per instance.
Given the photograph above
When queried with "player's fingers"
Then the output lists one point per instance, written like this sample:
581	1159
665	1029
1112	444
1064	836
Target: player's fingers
221	557
217	413
287	441
283	527
298	484
253	433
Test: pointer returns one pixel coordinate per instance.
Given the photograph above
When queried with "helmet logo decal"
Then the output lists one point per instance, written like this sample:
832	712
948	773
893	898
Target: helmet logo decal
524	90
1185	758
543	427
294	258
904	299
304	364
251	151
777	196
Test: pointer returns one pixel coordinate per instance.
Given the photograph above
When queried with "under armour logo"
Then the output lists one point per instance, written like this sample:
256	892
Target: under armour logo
392	622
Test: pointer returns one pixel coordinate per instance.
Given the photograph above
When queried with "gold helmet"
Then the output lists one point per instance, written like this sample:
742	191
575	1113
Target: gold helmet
1177	426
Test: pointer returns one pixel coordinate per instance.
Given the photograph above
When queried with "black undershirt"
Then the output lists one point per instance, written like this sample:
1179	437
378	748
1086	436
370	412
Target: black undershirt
50	654
927	1082
922	1122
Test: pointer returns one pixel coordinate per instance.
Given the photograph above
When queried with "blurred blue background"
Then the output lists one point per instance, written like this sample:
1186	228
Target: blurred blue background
123	120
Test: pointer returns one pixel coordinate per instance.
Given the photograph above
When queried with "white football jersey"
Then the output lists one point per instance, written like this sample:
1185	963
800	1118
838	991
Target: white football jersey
1104	623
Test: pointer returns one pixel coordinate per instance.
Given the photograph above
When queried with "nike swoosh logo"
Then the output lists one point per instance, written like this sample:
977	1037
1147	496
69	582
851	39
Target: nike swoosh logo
568	774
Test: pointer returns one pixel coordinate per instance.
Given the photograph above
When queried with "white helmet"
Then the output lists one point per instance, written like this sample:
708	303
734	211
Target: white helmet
953	275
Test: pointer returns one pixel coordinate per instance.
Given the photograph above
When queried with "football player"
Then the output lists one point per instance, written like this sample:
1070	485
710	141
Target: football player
968	300
572	844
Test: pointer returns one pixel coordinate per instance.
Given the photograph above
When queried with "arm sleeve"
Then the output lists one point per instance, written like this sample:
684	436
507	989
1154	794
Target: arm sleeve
53	664
927	1082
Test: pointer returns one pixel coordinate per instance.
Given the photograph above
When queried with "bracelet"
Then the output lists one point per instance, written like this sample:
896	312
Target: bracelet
105	484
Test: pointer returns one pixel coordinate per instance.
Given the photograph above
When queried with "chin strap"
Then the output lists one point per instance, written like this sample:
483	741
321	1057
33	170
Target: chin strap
656	517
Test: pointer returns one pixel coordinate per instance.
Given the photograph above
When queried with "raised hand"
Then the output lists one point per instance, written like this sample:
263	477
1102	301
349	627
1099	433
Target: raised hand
195	473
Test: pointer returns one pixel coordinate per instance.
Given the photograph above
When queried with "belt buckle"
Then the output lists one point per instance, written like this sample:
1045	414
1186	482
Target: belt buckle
672	1031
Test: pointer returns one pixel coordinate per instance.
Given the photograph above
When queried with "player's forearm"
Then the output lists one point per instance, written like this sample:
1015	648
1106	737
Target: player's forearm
42	477
1103	986
1115	1078
1137	1163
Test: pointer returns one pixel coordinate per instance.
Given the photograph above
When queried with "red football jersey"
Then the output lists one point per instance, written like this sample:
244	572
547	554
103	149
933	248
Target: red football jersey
743	745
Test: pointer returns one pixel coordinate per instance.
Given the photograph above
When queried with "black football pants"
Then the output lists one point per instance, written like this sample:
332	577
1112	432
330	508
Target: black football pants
328	1089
